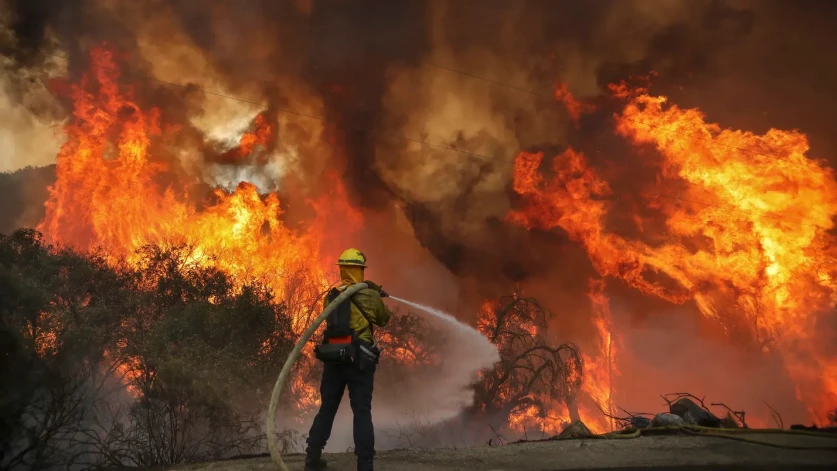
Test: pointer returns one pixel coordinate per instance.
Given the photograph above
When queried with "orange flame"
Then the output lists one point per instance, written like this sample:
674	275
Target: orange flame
748	232
599	369
574	107
263	135
110	193
749	228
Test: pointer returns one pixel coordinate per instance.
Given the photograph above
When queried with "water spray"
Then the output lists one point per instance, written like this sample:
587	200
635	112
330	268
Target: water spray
467	351
464	329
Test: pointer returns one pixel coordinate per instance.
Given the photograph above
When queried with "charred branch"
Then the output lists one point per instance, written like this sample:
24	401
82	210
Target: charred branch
670	401
740	415
777	418
501	440
531	372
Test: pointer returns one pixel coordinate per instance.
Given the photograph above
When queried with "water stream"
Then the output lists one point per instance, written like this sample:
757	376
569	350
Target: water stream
465	331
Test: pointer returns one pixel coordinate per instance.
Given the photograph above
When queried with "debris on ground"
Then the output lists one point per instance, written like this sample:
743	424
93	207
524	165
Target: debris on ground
667	420
639	421
729	422
576	429
693	414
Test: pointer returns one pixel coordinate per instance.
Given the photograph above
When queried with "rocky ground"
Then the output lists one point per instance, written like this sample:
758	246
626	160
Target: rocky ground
674	452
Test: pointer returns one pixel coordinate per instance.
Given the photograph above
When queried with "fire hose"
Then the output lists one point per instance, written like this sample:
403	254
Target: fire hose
286	371
730	433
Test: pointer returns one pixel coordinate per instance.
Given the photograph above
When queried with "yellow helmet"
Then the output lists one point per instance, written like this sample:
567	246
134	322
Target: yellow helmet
353	258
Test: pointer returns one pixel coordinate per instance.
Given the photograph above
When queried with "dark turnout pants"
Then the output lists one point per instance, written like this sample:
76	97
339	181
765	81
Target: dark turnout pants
335	380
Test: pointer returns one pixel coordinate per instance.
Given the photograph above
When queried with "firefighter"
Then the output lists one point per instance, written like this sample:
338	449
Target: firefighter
349	355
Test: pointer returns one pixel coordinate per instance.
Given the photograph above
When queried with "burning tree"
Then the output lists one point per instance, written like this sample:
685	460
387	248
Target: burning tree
410	341
112	365
198	345
532	376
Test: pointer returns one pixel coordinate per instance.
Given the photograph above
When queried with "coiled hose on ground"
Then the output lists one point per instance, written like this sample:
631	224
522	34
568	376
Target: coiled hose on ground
286	371
730	433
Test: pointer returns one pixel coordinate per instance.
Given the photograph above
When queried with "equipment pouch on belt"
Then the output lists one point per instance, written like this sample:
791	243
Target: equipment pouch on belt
367	356
339	353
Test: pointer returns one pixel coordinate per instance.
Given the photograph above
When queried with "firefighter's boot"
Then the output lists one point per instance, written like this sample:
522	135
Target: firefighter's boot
364	464
314	460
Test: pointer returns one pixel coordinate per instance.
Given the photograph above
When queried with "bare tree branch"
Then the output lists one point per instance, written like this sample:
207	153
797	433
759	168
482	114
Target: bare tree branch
777	418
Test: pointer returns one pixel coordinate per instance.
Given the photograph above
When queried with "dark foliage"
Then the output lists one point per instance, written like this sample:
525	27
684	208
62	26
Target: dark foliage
104	364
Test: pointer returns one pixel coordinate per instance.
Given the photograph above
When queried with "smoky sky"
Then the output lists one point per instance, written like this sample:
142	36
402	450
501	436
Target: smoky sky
748	64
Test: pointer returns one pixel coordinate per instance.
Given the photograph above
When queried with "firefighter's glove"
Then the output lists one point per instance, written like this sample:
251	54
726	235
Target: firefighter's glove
374	286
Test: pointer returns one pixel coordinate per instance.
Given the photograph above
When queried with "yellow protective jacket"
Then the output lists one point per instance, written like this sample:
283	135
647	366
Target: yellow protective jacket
367	299
373	305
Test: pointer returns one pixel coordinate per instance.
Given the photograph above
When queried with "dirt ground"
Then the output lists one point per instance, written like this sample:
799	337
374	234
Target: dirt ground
657	452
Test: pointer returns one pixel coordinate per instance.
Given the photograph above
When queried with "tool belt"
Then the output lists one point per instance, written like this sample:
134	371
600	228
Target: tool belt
336	353
341	344
363	355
